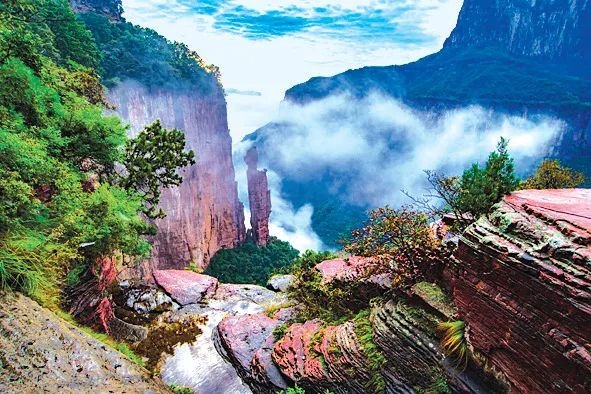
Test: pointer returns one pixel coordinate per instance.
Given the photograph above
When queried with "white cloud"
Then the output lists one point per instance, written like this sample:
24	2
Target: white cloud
377	146
273	66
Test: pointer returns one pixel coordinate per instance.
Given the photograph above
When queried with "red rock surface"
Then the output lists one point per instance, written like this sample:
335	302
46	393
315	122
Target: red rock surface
259	198
355	269
247	341
186	287
204	213
524	289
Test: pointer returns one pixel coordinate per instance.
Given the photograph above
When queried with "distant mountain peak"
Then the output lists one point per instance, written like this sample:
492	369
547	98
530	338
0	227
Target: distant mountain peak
555	30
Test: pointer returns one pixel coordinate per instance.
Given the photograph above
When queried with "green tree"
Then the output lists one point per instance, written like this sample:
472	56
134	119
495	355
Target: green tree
152	160
482	187
551	175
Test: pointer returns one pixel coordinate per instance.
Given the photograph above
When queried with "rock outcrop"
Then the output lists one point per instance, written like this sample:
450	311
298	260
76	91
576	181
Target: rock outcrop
523	287
318	356
204	214
203	365
259	198
109	8
39	352
393	347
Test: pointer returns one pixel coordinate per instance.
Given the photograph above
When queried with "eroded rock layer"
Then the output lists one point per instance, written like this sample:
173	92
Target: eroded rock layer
391	348
524	289
204	213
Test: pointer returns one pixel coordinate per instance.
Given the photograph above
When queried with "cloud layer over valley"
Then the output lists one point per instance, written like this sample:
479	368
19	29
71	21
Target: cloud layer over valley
370	149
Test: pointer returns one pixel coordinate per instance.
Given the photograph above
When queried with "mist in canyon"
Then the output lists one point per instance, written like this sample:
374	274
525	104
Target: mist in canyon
375	147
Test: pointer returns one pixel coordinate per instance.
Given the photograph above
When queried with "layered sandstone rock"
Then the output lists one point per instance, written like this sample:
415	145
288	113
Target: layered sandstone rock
204	213
39	352
259	198
524	289
319	356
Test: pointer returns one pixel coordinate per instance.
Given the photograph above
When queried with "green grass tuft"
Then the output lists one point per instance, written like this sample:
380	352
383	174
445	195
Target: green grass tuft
280	331
453	340
375	358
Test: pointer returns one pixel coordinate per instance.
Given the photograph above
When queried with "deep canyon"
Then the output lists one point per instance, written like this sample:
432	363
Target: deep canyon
515	284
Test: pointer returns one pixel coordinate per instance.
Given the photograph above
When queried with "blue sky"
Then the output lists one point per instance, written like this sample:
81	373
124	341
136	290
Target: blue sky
268	46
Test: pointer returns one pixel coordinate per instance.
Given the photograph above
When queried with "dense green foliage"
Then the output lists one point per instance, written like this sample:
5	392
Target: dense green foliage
151	160
250	263
551	175
62	204
482	187
318	300
132	52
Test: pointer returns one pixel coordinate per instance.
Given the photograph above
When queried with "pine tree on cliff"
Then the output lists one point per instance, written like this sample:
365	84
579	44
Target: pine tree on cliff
481	188
152	160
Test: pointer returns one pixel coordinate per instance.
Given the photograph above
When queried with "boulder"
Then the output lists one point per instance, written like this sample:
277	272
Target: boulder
148	300
123	331
523	286
186	287
247	342
280	282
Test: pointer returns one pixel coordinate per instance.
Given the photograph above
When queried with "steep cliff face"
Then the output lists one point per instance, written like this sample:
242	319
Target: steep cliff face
109	8
523	288
259	198
548	28
204	213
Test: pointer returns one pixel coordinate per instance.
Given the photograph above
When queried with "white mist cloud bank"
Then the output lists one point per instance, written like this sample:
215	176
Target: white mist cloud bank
375	147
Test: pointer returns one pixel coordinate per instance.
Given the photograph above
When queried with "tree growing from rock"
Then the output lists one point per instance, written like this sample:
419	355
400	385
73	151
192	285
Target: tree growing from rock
474	193
482	187
152	160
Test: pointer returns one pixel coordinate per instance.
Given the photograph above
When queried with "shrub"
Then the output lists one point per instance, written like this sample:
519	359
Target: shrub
551	175
317	300
33	263
400	238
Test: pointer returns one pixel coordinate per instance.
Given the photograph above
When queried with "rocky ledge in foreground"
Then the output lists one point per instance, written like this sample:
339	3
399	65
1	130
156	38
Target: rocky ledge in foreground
182	343
39	352
520	280
523	286
391	347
